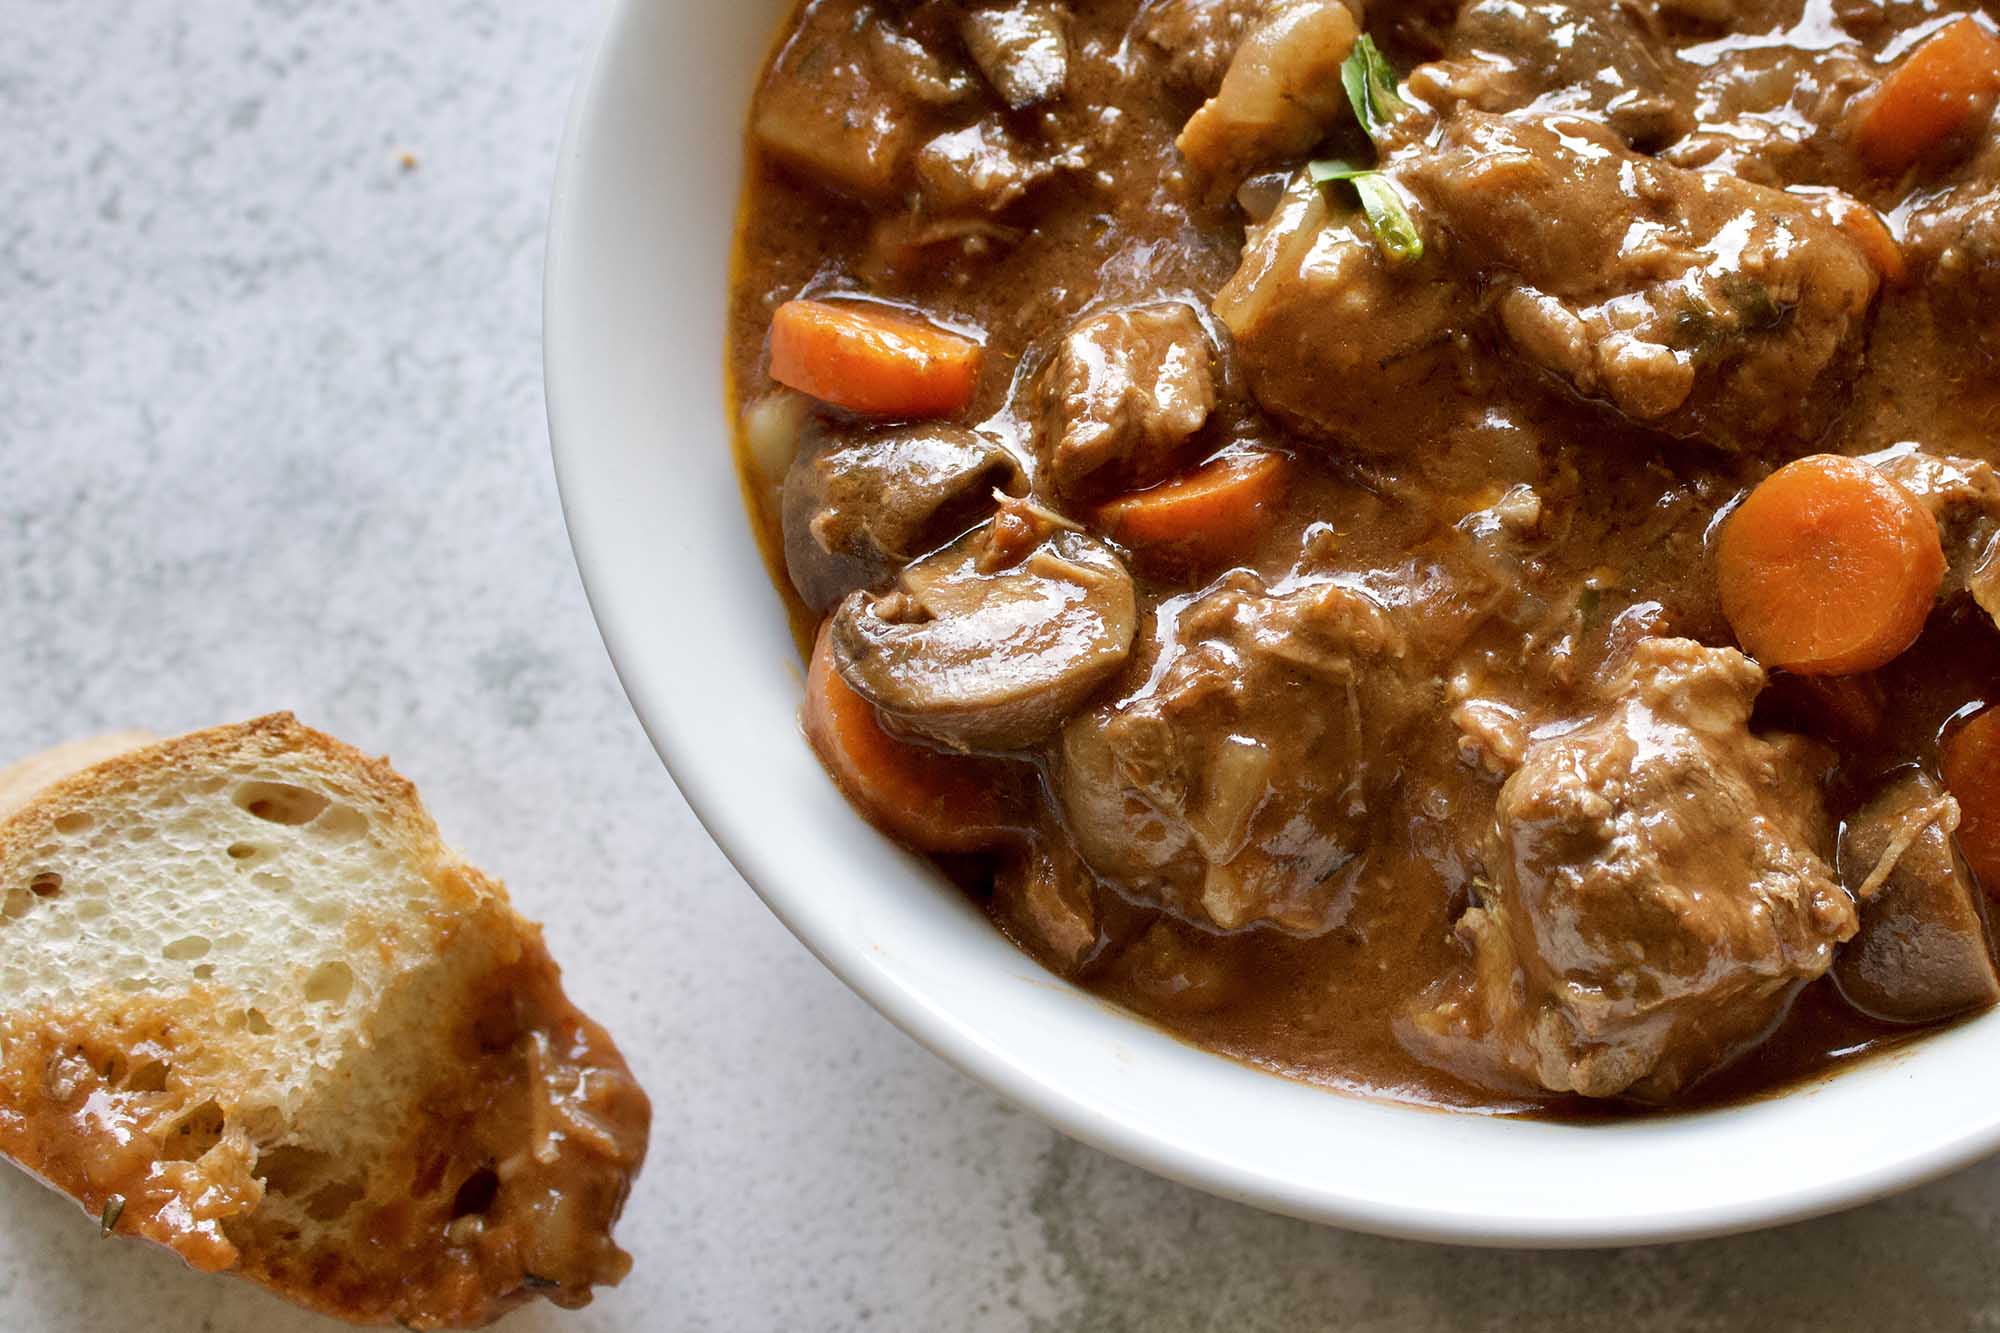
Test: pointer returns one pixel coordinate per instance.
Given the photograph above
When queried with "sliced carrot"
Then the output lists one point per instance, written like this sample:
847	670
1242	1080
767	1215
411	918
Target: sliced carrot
1938	88
934	802
1212	514
870	360
1970	764
1828	567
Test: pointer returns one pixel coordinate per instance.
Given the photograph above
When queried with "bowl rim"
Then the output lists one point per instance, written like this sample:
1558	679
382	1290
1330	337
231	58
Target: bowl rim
961	1044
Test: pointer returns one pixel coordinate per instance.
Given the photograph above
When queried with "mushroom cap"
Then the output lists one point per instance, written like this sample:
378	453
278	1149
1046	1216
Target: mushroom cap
976	651
861	500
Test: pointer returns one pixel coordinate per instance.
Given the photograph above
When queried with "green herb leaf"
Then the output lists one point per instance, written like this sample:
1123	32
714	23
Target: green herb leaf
1395	230
1756	308
1371	88
107	1221
1325	170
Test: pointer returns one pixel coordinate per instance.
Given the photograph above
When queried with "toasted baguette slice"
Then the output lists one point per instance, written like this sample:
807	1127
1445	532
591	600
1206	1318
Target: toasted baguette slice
252	1008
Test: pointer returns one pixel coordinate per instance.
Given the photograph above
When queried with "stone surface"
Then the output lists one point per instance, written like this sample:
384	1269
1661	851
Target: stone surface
271	435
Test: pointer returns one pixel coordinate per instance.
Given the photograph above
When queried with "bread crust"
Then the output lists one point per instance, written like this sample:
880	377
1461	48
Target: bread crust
21	782
466	1148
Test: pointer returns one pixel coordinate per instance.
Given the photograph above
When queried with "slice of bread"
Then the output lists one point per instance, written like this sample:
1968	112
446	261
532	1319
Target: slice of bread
254	1009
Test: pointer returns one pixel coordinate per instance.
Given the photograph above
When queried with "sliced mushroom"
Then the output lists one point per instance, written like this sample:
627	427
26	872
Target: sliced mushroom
1920	953
1021	49
992	642
1983	579
858	502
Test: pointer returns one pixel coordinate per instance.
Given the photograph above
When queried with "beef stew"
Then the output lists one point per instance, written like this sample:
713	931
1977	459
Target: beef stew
1447	550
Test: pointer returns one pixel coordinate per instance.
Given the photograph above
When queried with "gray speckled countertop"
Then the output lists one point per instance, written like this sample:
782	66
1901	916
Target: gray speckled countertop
271	435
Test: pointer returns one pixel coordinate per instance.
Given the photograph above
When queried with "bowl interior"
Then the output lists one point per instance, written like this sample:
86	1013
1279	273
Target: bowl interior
637	281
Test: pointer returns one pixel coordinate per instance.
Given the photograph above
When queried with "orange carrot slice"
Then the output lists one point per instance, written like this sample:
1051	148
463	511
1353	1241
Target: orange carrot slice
870	360
1970	764
1828	567
1212	514
1939	87
934	802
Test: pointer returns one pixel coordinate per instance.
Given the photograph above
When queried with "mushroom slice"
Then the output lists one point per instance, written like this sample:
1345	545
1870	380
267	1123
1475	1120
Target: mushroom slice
1920	953
860	501
1021	49
990	643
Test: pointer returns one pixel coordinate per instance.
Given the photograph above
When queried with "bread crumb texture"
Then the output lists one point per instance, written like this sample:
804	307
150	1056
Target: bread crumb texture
257	1011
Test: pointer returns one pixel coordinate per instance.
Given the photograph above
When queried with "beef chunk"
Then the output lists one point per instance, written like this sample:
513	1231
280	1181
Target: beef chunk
1601	56
1048	901
1952	237
1776	114
1194	39
1280	96
1963	495
1123	392
979	169
826	112
1920	953
1725	312
1700	305
1235	782
859	502
1022	49
911	69
1331	339
1658	892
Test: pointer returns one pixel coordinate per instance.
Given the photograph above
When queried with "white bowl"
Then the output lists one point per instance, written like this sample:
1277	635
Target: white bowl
638	263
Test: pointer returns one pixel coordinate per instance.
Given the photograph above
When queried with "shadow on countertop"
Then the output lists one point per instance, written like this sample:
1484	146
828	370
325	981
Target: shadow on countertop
1141	1255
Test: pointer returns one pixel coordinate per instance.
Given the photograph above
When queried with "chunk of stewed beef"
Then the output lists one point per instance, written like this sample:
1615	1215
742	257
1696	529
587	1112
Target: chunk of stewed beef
1193	39
1952	238
1658	887
1776	115
914	69
1606	57
978	170
1047	900
1332	338
1963	495
861	501
827	112
1022	48
1124	391
1700	305
1238	777
1920	953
